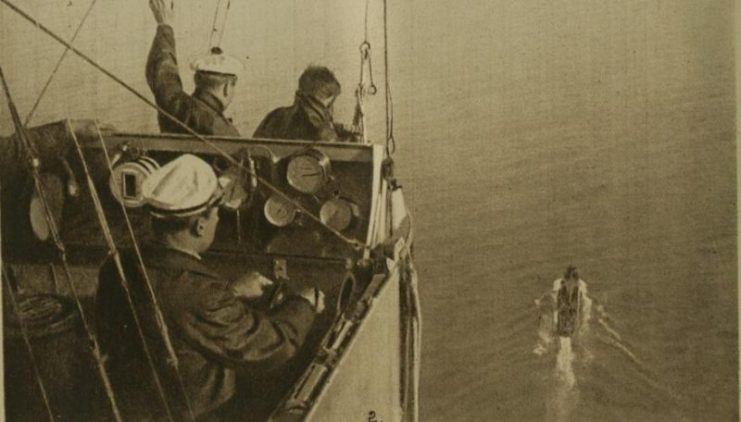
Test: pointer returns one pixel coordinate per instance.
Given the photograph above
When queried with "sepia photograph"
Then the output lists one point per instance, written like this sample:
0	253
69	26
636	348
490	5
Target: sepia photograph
369	210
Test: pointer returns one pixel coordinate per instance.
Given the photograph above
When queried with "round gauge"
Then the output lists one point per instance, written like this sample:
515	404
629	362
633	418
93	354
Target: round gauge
279	212
338	213
127	178
308	172
53	189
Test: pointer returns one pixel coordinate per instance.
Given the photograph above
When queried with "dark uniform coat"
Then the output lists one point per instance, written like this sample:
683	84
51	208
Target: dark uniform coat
306	119
201	111
213	333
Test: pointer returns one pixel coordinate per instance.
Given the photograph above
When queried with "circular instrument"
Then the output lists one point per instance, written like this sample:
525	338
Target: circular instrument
338	213
279	212
38	214
308	171
127	178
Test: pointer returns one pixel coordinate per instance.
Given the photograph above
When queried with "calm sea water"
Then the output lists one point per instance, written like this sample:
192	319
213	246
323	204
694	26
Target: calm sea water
536	136
656	245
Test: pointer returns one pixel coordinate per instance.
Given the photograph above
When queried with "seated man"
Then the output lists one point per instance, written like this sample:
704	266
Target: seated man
215	78
212	332
311	115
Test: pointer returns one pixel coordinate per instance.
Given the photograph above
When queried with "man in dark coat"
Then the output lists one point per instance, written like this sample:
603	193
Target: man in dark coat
213	332
215	78
311	115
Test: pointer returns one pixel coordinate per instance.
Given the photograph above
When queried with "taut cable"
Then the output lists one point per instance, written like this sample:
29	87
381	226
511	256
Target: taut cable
53	229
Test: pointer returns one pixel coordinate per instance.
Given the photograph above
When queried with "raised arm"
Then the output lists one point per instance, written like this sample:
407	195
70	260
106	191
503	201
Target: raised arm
162	72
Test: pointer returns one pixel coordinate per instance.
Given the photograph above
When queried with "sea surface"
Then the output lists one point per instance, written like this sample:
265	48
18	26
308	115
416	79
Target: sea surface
537	136
655	243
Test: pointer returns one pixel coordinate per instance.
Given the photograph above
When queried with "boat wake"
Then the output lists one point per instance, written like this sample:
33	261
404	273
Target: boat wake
564	396
612	338
570	352
574	354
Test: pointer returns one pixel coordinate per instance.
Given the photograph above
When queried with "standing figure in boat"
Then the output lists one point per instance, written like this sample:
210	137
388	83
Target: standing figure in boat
311	117
213	331
563	310
569	302
215	80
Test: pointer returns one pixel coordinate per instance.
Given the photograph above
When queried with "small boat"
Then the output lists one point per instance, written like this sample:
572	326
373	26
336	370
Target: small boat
568	305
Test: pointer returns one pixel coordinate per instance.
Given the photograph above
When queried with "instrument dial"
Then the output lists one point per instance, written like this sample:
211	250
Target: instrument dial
338	213
126	180
279	212
308	172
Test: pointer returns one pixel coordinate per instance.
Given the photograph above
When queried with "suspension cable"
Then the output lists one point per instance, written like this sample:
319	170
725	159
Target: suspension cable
49	216
358	245
59	64
364	89
114	254
27	341
365	21
159	317
223	23
390	141
24	332
220	28
213	25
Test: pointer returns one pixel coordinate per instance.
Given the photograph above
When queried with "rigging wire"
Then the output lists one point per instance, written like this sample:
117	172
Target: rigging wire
220	28
24	332
59	64
34	164
367	2
364	89
223	23
213	25
114	254
43	91
352	242
159	317
390	141
27	341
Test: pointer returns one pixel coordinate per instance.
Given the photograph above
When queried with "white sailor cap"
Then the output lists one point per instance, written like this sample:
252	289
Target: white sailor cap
184	187
217	62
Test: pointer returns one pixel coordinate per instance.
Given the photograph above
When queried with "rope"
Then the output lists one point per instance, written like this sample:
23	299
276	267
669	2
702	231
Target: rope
159	317
223	23
390	141
24	334
59	64
30	150
105	228
352	242
213	25
214	28
367	2
363	89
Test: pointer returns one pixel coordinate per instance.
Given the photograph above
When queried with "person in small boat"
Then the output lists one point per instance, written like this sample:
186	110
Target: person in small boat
311	117
214	332
569	301
215	79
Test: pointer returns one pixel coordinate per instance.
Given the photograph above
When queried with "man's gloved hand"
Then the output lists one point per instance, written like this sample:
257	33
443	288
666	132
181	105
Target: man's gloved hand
163	11
315	297
250	285
347	133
